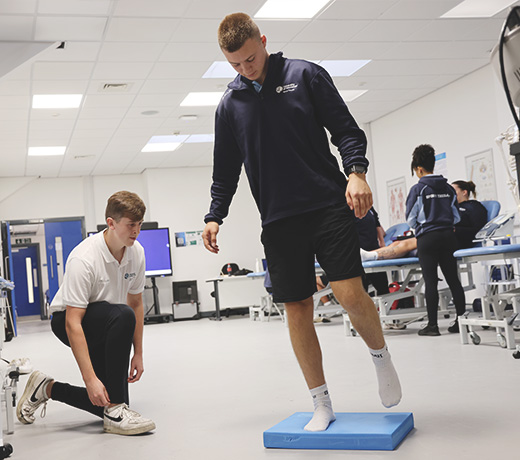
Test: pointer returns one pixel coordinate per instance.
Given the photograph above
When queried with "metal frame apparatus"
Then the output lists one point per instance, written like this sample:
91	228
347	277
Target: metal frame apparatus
409	271
494	301
9	378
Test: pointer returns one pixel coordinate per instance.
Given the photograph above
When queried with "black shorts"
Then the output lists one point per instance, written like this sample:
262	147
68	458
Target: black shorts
292	244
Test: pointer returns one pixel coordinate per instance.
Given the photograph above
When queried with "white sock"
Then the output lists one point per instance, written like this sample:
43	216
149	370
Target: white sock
326	304
367	255
323	413
389	386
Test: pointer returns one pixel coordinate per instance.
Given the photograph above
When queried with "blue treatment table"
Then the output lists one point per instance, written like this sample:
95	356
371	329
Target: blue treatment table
350	431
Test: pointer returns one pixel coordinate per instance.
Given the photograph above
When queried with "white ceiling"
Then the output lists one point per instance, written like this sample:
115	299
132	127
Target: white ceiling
161	48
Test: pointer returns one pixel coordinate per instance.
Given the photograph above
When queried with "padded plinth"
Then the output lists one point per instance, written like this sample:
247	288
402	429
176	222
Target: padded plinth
350	431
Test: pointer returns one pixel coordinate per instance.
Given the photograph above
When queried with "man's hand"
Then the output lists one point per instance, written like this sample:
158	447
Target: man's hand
209	237
136	369
97	393
359	195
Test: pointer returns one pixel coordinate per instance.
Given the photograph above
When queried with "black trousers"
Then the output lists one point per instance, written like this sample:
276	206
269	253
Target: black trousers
435	249
109	331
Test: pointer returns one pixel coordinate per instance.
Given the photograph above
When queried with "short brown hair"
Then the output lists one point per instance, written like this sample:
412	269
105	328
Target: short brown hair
234	30
125	204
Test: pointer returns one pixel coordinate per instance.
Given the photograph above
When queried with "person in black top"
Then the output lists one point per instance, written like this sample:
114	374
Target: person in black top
473	215
272	121
432	213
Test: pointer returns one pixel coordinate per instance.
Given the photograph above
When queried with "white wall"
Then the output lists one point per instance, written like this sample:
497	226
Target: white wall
460	119
177	198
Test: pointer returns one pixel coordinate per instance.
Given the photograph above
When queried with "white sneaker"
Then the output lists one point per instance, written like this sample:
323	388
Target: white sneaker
33	397
23	364
122	420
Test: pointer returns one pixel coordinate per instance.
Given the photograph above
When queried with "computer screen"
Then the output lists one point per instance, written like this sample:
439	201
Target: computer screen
156	244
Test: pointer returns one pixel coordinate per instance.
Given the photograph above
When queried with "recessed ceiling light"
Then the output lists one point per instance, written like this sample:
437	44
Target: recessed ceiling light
202	99
56	101
220	69
340	68
200	138
349	95
164	143
478	8
290	9
188	118
46	151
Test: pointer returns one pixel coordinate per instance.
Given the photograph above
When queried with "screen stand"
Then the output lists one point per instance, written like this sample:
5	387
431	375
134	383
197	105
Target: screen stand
157	316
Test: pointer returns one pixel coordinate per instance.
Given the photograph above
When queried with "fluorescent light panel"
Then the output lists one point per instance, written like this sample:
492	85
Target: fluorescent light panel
56	101
46	151
343	68
349	95
336	68
202	99
200	138
164	143
477	8
290	9
220	69
170	143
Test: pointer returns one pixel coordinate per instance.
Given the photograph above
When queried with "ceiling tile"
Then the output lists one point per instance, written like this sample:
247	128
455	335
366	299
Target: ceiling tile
130	52
360	9
62	70
190	52
122	70
16	28
411	9
74	7
73	51
330	31
164	70
196	31
140	29
108	100
18	6
69	28
59	86
151	8
393	31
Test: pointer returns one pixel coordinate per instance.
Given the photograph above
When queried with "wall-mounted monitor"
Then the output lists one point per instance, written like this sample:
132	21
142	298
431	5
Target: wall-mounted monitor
156	244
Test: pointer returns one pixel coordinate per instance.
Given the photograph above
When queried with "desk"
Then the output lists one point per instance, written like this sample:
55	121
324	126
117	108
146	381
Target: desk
236	291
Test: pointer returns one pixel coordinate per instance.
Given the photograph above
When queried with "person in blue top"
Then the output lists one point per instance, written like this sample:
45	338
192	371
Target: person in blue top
431	209
273	120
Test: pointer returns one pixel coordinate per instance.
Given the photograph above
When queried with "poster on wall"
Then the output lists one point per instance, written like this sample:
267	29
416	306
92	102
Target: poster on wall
183	239
480	169
396	192
441	164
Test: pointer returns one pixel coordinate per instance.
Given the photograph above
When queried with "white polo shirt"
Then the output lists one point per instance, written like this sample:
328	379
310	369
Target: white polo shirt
94	275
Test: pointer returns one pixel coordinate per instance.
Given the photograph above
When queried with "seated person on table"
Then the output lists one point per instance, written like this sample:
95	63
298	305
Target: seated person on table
473	216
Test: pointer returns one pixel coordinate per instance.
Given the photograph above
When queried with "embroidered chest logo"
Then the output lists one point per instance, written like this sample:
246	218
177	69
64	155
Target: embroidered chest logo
130	276
286	88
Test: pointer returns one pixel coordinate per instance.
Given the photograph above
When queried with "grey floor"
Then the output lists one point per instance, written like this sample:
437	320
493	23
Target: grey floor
213	388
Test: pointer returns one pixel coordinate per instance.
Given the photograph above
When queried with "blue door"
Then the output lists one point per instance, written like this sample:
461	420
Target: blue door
27	280
61	238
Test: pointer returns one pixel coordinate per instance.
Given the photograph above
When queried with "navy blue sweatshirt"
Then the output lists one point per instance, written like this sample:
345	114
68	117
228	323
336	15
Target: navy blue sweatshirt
473	216
278	134
431	205
367	230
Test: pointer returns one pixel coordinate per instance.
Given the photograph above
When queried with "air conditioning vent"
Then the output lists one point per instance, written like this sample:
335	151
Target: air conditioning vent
115	87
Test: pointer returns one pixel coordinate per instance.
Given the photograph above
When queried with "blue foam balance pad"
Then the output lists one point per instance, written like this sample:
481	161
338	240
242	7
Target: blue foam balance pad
350	431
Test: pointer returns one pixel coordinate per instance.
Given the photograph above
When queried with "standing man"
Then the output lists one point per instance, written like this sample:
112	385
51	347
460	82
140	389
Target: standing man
272	119
98	312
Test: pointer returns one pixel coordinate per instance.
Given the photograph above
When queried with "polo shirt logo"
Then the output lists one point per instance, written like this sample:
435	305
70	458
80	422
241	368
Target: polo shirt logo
286	88
130	276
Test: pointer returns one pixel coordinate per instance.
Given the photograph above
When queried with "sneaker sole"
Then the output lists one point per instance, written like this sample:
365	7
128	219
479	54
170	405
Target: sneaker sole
26	395
133	431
